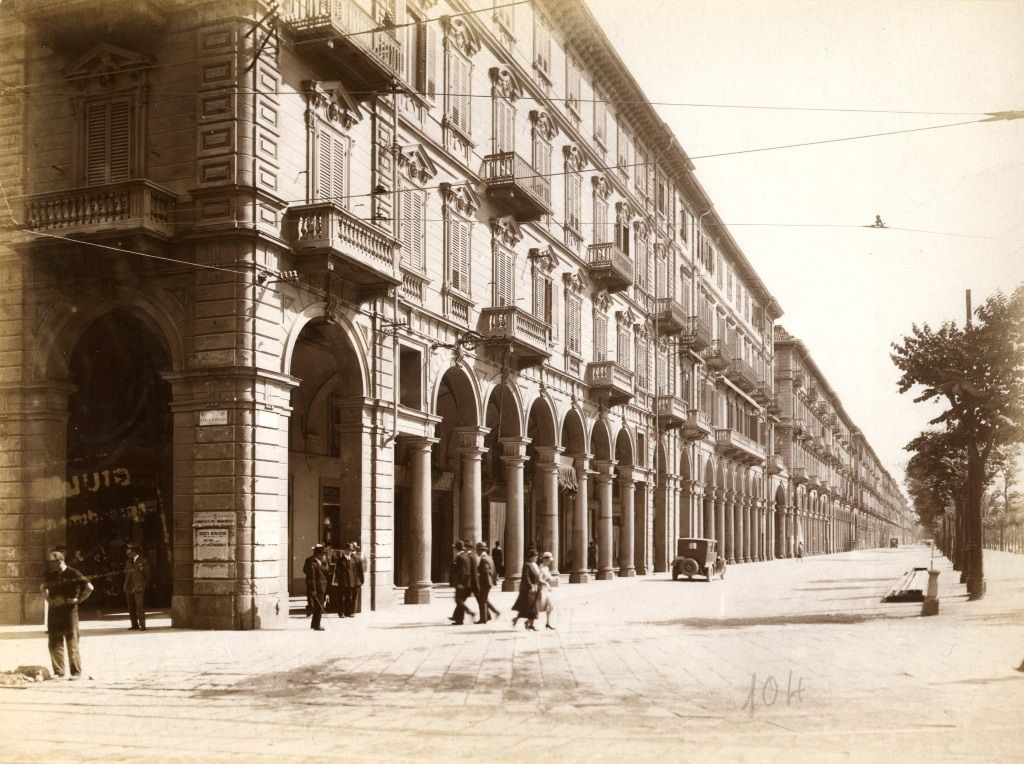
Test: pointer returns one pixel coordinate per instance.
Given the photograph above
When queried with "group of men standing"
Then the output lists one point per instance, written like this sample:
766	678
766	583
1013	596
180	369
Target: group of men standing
473	572
337	581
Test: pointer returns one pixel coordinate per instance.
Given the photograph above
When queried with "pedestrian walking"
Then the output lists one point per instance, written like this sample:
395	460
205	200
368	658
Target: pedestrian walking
316	585
463	577
498	555
544	602
364	566
136	579
800	551
348	577
529	586
487	578
307	569
592	556
64	589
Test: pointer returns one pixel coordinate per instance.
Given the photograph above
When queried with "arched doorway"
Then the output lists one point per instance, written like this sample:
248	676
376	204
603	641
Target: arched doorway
542	465
573	533
601	504
120	455
504	439
325	452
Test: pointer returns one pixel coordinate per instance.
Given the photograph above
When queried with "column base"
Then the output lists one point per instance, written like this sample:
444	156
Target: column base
930	606
605	575
579	578
418	594
510	584
731	561
627	572
641	570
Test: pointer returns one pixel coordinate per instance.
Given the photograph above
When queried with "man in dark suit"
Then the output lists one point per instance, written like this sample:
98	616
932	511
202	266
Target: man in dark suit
499	558
316	584
307	569
136	579
463	578
487	577
349	577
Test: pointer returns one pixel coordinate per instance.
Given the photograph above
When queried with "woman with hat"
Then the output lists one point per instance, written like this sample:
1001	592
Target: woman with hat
544	603
529	586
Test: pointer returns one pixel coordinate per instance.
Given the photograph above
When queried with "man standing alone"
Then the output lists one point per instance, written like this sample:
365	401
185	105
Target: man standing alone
499	558
487	577
64	588
136	579
317	585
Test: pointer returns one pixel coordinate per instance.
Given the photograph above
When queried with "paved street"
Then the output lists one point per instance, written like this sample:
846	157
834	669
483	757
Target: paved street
638	669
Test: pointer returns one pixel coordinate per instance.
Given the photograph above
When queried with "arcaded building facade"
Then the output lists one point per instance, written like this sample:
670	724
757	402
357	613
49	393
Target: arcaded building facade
398	273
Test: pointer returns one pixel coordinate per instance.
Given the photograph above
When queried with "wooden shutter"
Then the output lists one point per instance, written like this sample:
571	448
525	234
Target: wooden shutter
504	126
426	59
411	227
460	252
600	234
539	296
552	308
107	141
600	338
622	347
573	182
503	281
459	91
573	320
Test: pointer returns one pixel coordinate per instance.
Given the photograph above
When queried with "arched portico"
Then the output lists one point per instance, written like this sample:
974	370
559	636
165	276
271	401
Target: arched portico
574	505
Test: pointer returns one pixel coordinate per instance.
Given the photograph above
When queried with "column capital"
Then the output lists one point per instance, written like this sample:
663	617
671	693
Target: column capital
581	463
420	442
471	439
626	475
514	449
605	469
547	454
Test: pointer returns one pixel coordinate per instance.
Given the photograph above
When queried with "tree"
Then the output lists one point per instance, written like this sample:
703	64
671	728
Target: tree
977	372
935	479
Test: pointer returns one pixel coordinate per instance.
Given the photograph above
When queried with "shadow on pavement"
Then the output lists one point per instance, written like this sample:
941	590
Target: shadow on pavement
802	619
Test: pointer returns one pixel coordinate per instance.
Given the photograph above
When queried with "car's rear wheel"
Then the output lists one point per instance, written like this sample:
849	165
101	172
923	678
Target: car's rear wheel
690	567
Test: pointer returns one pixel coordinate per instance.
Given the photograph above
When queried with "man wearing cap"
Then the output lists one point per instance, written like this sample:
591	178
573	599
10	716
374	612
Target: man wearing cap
136	579
463	578
307	569
64	588
487	577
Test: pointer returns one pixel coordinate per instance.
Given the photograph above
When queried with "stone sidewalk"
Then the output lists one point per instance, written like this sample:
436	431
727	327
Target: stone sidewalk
638	669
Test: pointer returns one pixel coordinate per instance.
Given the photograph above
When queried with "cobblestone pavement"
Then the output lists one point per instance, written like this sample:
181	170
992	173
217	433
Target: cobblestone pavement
638	669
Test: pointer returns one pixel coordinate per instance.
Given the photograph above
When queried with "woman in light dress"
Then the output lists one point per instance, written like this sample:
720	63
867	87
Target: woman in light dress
544	602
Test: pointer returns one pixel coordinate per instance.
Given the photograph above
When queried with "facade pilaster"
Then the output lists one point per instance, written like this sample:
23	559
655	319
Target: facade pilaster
471	450
604	479
626	527
580	532
420	525
514	457
546	469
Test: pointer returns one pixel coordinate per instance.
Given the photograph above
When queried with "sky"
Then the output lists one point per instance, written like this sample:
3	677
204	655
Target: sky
849	291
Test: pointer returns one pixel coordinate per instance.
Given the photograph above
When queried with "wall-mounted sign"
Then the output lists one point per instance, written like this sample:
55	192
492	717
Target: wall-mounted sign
213	519
211	570
213	417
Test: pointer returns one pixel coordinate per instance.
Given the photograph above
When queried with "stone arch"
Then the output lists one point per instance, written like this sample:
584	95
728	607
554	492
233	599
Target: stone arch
624	449
345	333
459	383
601	441
504	412
574	433
540	422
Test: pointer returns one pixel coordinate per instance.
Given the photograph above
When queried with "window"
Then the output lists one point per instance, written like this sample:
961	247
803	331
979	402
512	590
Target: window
504	125
641	364
622	341
573	201
642	263
625	153
107	141
572	84
410	380
639	162
459	91
664	388
425	40
504	277
541	46
412	203
574	324
600	337
684	224
600	219
504	14
330	169
600	119
459	248
544	300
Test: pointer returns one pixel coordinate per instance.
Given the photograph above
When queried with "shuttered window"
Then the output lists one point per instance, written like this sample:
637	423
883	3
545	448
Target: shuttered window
458	91
426	57
572	84
574	324
411	204
641	364
504	125
107	141
459	246
622	346
600	338
541	45
504	278
331	167
600	220
600	119
573	201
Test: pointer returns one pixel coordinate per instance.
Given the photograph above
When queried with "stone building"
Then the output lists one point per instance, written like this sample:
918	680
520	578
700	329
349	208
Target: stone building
399	272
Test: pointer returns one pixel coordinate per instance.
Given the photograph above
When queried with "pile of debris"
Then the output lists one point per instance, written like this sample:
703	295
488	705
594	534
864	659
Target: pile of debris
24	675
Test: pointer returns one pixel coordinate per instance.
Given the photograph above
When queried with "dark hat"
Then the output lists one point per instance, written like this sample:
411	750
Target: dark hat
350	546
318	548
57	556
481	545
458	545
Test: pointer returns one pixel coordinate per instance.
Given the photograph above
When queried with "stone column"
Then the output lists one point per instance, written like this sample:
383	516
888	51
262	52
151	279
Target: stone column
471	448
661	502
730	527
626	529
708	526
514	456
604	478
580	536
740	524
546	469
640	527
749	529
720	516
420	530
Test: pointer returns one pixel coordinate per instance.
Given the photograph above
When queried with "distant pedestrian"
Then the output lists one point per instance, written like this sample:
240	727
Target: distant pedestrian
364	565
307	569
499	559
136	579
544	602
463	577
317	585
592	556
64	589
487	578
800	551
529	587
348	577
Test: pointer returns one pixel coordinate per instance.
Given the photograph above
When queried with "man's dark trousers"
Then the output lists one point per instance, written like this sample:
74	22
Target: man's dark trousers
318	611
67	629
136	608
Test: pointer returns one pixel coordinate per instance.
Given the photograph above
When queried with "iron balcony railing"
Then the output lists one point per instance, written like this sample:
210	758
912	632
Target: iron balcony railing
348	25
509	172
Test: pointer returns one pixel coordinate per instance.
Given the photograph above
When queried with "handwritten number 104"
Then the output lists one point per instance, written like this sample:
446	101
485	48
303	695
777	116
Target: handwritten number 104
769	692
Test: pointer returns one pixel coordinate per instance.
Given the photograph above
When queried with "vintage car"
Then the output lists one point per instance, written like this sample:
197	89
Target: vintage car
697	557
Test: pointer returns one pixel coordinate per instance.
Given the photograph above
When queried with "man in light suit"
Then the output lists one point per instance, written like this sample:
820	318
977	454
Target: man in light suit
136	579
487	577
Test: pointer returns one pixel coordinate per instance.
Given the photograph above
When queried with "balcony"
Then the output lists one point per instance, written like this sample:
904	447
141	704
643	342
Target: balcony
117	210
739	447
71	22
515	187
763	393
525	336
671	410
609	267
743	375
798	475
775	464
346	38
718	356
695	334
798	379
772	405
698	425
670	315
610	382
812	393
329	238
